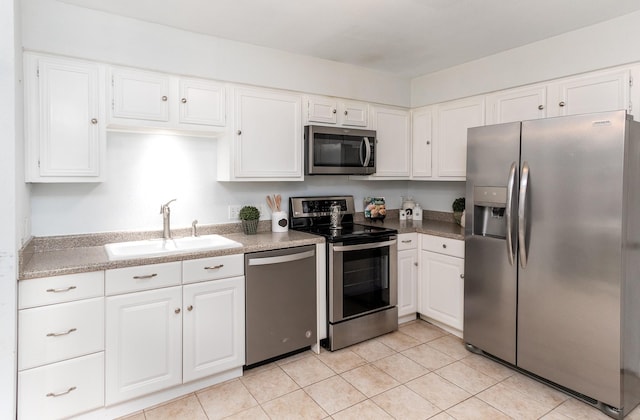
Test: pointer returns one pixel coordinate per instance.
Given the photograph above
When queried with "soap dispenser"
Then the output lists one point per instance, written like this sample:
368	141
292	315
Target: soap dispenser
417	212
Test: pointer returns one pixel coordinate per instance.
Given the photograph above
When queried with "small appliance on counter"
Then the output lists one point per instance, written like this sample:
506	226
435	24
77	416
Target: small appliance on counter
362	291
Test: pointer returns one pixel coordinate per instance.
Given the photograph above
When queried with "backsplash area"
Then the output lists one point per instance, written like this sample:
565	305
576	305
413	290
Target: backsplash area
144	171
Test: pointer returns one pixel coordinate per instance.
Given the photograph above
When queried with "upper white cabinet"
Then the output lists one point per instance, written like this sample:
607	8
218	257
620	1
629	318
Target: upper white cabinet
422	142
453	120
328	110
265	143
593	92
65	119
511	105
393	142
142	100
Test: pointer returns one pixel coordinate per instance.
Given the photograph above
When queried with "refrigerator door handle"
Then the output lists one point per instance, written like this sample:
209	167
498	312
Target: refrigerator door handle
510	184
522	215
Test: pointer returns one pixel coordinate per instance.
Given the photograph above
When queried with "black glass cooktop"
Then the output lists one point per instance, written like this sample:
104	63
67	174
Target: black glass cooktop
348	231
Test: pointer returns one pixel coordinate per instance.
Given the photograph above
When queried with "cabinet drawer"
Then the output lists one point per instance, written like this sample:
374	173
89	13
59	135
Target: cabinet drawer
212	268
58	289
407	241
446	246
144	277
57	332
63	389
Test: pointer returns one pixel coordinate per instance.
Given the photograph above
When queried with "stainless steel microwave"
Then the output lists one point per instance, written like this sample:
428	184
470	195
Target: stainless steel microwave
339	151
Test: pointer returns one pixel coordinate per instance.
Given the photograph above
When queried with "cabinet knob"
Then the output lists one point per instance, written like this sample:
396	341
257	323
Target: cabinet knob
239	132
94	121
540	107
177	310
428	142
346	112
164	99
561	103
461	276
334	110
190	308
444	245
415	263
183	100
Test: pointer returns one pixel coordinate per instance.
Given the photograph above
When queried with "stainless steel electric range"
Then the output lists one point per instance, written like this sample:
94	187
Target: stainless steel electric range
362	282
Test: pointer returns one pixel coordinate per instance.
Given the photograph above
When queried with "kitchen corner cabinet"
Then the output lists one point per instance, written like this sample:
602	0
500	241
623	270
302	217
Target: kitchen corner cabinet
441	284
265	143
65	119
393	142
142	100
407	276
422	142
452	121
328	110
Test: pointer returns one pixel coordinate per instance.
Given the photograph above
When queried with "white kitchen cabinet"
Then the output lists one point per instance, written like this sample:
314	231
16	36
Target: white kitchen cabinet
393	142
422	142
351	113
592	92
521	104
266	141
453	120
407	276
143	343
65	119
143	100
441	285
330	111
321	109
213	327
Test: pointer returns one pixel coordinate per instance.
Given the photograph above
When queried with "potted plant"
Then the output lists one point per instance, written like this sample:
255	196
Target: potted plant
249	215
458	209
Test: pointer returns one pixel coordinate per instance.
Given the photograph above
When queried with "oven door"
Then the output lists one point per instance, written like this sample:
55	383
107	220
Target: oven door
362	278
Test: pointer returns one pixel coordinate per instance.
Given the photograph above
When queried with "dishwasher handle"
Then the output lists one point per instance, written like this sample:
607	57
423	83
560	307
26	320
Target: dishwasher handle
282	258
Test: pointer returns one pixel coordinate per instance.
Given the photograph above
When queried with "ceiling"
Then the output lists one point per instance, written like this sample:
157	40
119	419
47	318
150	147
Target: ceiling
404	37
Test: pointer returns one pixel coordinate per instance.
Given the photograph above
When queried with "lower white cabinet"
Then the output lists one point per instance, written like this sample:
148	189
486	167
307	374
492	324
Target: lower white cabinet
407	274
143	343
441	286
213	327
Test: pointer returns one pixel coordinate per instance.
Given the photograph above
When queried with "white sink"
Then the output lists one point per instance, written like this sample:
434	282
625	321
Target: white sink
158	247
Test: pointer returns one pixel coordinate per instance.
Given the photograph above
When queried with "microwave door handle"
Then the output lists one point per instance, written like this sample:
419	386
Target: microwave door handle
367	158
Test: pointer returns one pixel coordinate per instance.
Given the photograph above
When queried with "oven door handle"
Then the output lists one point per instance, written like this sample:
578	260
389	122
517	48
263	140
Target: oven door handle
343	248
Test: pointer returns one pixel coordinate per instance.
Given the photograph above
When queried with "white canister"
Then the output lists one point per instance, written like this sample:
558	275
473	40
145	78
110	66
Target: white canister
279	222
417	213
403	214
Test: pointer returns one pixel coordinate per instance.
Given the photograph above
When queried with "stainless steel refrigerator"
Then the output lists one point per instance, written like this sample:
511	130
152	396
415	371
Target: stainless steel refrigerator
552	252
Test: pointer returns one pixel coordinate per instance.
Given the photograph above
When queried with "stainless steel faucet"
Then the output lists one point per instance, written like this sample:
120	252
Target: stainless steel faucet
194	228
166	219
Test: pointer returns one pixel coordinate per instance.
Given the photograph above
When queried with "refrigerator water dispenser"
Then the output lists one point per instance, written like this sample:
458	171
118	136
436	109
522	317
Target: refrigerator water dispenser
488	211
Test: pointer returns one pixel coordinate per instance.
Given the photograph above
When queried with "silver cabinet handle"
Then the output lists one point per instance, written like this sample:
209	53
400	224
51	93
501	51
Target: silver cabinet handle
214	267
183	100
282	258
94	121
510	184
190	308
164	99
561	103
540	107
53	394
522	214
62	333
146	276
177	310
67	289
406	242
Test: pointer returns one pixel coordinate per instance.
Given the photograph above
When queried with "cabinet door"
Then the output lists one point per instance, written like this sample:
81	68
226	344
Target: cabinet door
213	327
422	142
201	102
442	288
407	282
517	105
268	135
454	118
602	91
66	135
143	343
140	95
323	110
353	113
393	142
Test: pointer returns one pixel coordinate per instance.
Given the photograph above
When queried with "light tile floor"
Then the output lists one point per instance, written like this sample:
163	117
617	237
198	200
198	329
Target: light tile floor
418	372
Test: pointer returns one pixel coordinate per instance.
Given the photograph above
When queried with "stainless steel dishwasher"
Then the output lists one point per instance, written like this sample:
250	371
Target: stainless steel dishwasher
280	302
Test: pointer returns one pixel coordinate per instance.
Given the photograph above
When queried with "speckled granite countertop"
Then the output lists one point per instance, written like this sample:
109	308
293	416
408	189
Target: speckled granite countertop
53	256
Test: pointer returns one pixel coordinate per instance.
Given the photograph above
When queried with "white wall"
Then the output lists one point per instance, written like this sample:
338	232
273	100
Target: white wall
65	29
607	44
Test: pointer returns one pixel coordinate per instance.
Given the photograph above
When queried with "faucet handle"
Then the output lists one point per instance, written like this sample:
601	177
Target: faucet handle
194	228
165	207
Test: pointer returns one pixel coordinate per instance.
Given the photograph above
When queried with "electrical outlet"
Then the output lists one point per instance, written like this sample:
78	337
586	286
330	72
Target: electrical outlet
234	212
